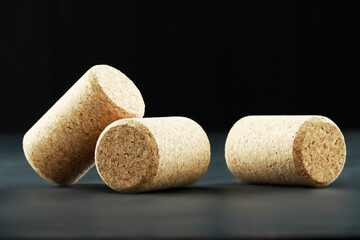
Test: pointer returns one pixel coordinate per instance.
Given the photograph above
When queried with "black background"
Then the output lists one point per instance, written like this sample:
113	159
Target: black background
212	61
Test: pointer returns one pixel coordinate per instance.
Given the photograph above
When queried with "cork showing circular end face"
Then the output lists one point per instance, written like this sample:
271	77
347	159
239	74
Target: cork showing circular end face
117	87
306	150
146	154
319	151
60	146
127	156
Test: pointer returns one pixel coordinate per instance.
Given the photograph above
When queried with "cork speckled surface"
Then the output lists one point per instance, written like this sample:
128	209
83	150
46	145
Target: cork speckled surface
60	146
143	154
301	150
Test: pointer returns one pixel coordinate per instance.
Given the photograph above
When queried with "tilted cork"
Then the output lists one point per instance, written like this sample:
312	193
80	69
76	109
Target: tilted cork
60	146
299	150
144	154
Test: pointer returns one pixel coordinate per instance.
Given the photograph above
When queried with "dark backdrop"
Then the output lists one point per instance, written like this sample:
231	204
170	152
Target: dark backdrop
212	61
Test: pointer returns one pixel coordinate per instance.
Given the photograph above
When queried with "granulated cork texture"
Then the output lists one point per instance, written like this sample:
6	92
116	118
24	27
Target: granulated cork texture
300	150
144	154
60	146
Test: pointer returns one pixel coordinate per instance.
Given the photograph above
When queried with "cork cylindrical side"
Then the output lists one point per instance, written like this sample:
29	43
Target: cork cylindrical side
144	154
60	145
298	150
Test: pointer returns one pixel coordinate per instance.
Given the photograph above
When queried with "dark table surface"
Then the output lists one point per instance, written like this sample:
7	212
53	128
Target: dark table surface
217	206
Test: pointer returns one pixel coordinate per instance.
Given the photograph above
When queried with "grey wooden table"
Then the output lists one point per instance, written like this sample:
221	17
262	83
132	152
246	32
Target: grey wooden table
217	206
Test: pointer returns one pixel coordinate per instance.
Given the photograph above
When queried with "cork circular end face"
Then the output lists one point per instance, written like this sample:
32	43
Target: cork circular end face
126	157
319	151
119	89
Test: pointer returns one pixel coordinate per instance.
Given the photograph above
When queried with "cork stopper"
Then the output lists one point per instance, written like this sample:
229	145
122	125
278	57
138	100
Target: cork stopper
144	154
60	145
299	150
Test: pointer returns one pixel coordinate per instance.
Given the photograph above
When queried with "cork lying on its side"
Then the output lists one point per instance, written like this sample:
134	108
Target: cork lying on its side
143	154
60	146
300	150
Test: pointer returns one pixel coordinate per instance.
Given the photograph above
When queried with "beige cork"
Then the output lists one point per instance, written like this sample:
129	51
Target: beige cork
144	154
60	146
299	150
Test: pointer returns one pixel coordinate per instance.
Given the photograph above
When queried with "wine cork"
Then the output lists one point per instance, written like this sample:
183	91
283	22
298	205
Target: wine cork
144	154
299	150
60	146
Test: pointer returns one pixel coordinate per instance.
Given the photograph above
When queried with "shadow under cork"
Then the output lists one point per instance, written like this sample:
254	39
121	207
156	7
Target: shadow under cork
256	187
103	188
95	187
